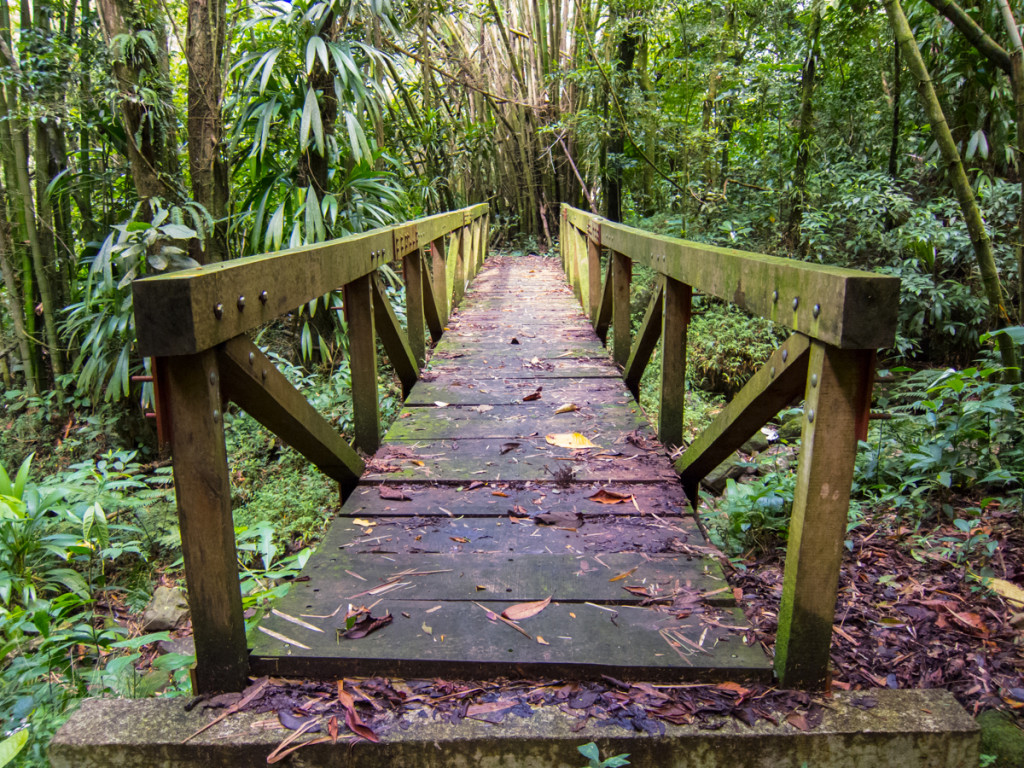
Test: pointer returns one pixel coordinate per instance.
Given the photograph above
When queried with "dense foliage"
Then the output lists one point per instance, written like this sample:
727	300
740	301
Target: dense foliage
139	138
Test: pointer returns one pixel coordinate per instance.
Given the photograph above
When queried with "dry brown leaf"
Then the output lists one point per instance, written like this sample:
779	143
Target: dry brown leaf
499	493
392	494
624	574
542	641
532	396
522	611
574	440
604	496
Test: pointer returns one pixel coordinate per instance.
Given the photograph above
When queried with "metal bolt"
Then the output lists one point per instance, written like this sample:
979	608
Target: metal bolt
216	417
252	358
213	378
263	375
771	372
775	296
796	303
817	310
263	296
241	303
218	311
785	355
814	379
810	415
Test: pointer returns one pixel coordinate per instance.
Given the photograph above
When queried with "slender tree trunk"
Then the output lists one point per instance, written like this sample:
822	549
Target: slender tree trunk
897	98
1017	79
958	178
627	48
205	51
15	308
805	132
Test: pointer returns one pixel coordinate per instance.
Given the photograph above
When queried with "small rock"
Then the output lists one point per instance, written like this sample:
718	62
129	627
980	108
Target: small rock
756	444
729	469
167	610
186	646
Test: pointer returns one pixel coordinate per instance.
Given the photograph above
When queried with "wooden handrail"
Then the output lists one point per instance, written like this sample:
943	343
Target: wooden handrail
194	323
839	316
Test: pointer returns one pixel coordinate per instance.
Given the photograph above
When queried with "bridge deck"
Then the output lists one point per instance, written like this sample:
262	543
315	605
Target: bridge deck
467	510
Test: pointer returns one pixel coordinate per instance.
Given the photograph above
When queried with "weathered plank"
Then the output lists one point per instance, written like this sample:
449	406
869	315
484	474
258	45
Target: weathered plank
463	390
412	267
362	345
581	641
622	271
512	422
646	341
674	322
252	381
203	495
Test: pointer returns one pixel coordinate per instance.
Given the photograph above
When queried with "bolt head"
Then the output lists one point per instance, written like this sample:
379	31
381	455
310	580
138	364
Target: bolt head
218	310
216	416
817	310
785	355
252	358
241	303
796	302
213	377
810	415
775	296
814	379
771	372
263	297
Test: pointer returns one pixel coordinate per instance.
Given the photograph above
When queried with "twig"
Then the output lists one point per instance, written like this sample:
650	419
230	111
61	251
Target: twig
251	696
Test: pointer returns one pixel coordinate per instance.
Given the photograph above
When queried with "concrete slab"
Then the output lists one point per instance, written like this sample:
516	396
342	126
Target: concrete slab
907	729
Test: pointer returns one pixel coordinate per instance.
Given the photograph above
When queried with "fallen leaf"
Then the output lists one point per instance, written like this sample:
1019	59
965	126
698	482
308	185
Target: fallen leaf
358	727
542	641
361	522
506	447
522	611
798	721
427	629
499	493
560	517
604	496
575	440
533	396
474	485
441	404
624	574
364	626
567	408
459	539
514	340
392	494
1013	594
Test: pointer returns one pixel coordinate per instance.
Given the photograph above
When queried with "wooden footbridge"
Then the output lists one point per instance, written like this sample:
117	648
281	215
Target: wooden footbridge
519	517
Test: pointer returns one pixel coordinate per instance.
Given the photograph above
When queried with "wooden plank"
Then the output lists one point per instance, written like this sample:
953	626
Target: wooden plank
582	641
486	459
674	322
451	268
583	272
594	273
439	268
490	536
344	576
622	272
396	345
604	310
362	345
844	307
512	421
450	387
525	368
646	341
434	227
203	494
525	347
462	263
776	384
412	264
821	500
499	500
252	381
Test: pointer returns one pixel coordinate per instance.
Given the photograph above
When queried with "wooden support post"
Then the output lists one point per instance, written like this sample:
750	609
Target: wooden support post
451	266
438	267
828	449
622	272
252	381
594	273
582	271
203	490
604	310
674	321
777	383
396	345
486	237
461	264
646	341
412	263
362	345
434	322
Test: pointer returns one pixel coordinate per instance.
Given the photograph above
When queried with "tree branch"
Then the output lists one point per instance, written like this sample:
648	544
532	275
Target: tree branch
977	36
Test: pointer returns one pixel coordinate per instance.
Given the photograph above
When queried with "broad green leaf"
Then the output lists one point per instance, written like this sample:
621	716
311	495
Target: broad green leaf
316	48
178	231
12	745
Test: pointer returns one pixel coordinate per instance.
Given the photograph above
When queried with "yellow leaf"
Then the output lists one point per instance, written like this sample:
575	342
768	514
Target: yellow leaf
567	408
542	641
441	404
623	575
363	523
1013	594
573	440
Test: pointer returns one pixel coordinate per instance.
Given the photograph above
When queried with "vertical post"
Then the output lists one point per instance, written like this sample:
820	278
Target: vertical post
833	397
486	237
203	491
437	267
580	269
412	265
451	263
362	345
594	270
622	273
675	318
461	263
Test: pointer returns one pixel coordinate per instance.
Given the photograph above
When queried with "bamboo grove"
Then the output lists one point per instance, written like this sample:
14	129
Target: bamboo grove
139	137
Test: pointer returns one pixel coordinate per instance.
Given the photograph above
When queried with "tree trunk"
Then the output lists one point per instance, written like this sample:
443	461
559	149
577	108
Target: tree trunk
628	44
805	131
14	306
205	52
897	97
958	179
1017	79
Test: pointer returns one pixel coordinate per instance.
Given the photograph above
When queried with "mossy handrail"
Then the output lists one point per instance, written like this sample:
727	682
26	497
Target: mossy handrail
839	318
193	324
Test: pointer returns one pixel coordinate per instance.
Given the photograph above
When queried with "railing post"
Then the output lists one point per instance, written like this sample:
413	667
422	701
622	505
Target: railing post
412	264
202	488
834	397
485	239
622	272
461	263
594	268
581	269
438	267
362	345
674	321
